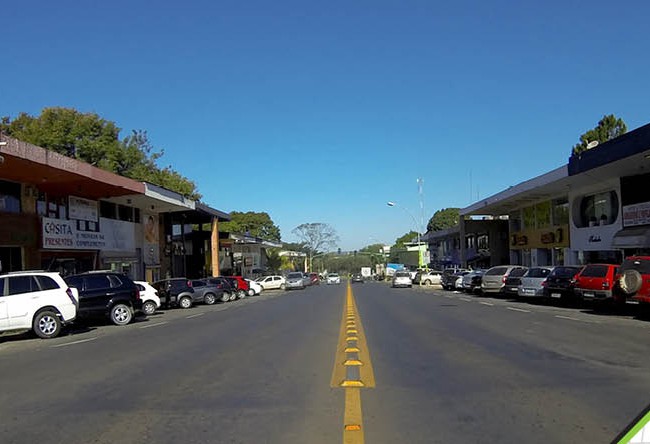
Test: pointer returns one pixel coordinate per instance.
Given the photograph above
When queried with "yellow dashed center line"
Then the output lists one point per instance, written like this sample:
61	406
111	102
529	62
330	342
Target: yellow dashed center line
352	369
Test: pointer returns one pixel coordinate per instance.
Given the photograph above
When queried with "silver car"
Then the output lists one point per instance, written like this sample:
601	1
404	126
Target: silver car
295	280
402	279
532	282
494	280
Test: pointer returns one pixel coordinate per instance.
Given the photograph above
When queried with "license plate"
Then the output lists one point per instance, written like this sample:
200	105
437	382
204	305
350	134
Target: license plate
556	295
588	295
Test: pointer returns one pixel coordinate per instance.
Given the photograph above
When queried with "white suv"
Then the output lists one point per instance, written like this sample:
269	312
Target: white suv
36	300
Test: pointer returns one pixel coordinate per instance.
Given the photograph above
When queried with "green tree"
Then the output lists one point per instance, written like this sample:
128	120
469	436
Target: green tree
608	128
443	219
411	236
373	248
94	140
316	237
257	224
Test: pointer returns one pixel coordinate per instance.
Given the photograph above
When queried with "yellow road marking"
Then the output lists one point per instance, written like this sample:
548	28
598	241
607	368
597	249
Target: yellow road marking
352	353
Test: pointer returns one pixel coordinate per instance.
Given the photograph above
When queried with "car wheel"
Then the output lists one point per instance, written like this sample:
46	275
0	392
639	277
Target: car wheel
225	297
121	314
46	324
185	302
149	307
427	282
241	294
282	286
233	296
251	292
209	299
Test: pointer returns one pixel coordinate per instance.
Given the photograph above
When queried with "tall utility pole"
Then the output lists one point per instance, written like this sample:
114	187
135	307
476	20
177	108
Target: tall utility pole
420	182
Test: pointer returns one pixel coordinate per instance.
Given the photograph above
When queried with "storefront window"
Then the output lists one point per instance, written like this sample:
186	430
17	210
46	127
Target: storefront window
9	197
529	217
596	209
515	221
543	214
560	212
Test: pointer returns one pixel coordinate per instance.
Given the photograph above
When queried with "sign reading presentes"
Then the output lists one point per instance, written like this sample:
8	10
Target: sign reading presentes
637	214
82	209
63	234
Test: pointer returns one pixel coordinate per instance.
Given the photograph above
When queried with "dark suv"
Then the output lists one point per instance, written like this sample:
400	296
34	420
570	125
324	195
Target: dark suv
106	293
176	292
633	280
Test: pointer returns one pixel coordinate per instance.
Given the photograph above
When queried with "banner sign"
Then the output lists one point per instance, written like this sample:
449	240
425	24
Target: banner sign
82	209
63	234
637	214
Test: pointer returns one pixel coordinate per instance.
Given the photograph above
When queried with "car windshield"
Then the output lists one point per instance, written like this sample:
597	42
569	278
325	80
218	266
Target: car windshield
295	276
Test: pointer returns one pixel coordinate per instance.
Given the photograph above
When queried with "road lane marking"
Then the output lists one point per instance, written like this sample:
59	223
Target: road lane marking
154	325
352	369
194	316
487	303
518	309
466	299
81	341
576	319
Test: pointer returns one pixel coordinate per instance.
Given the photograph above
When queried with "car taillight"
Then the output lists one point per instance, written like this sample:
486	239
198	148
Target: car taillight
189	284
71	295
544	283
137	293
503	279
606	284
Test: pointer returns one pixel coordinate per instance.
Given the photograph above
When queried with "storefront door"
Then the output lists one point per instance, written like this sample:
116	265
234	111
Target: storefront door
10	259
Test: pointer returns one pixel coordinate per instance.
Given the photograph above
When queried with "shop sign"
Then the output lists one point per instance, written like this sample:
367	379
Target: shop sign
637	214
519	240
63	234
83	209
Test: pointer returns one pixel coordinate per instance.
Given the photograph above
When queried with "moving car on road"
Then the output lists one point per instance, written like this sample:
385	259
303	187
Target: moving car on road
333	278
36	300
402	278
295	280
356	278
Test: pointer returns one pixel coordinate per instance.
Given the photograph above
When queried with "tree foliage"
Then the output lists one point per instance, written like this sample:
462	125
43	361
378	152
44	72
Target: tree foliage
373	248
608	128
257	224
443	219
92	139
411	236
316	236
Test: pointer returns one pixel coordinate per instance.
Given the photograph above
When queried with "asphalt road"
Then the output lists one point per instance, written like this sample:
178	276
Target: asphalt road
448	368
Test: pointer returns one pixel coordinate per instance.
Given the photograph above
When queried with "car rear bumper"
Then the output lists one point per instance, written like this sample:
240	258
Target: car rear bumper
588	294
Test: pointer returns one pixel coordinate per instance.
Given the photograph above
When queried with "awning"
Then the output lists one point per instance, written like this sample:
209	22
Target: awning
632	237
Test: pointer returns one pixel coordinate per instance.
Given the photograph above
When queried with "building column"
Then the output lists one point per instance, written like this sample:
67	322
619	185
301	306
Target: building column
214	246
463	248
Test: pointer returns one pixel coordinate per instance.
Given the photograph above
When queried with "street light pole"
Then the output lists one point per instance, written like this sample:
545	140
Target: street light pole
417	227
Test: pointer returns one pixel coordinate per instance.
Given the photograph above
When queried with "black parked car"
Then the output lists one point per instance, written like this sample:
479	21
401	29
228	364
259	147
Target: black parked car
559	283
357	278
106	293
513	281
226	286
176	292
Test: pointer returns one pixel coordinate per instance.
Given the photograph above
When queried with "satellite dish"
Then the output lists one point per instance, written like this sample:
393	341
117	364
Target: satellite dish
592	144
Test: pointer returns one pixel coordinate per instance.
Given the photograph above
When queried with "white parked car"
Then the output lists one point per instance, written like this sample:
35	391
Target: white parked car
402	279
36	300
149	297
272	282
333	278
254	288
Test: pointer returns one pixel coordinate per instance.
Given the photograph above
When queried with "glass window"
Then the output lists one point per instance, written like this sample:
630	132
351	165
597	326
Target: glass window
9	197
22	284
518	272
2	287
515	221
114	280
107	210
543	214
47	283
594	271
596	209
560	212
497	271
529	217
125	213
96	282
538	272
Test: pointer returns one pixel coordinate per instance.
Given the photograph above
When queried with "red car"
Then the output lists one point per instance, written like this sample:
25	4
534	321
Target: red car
595	282
313	277
242	285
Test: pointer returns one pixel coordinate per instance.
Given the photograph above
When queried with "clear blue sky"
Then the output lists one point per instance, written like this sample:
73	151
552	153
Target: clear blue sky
323	111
